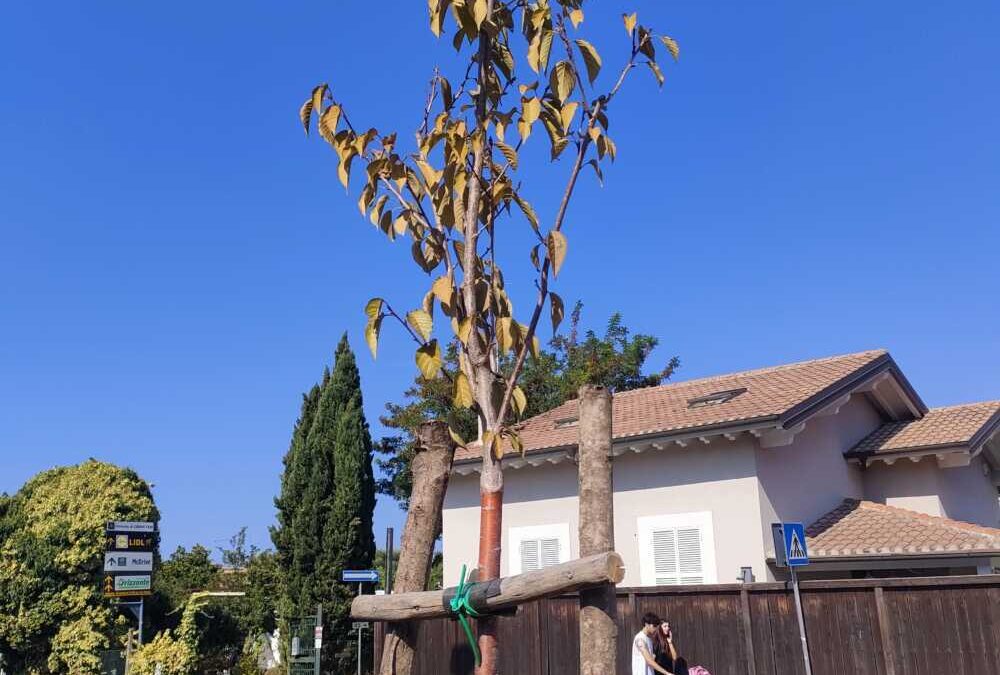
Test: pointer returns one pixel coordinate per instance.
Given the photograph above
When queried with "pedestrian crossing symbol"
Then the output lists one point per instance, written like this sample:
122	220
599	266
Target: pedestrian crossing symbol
796	553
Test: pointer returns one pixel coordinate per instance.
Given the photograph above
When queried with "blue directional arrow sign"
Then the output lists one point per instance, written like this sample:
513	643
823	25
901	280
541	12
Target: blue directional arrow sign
796	553
359	576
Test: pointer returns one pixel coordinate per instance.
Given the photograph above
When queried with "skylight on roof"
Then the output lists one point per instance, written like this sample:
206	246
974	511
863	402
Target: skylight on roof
715	398
567	422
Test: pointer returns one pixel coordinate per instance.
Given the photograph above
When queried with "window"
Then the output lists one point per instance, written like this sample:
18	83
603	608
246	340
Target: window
716	398
566	422
677	549
538	546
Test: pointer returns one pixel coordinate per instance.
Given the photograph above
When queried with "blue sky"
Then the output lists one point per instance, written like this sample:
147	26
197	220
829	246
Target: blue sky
177	261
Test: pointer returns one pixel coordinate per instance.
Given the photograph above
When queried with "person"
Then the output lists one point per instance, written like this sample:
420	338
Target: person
643	662
665	652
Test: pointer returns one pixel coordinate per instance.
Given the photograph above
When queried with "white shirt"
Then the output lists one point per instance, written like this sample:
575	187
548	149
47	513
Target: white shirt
639	665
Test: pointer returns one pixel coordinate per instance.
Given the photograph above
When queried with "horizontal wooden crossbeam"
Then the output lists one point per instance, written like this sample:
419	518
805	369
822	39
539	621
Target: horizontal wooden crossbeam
509	592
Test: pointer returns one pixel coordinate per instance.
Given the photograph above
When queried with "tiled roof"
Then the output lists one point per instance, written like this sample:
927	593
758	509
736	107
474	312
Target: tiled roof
940	427
862	528
770	393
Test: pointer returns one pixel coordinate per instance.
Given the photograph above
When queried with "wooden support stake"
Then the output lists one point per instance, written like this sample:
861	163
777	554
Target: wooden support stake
748	632
885	631
598	604
603	568
431	467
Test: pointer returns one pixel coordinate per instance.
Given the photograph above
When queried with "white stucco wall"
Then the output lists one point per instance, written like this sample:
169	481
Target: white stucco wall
719	478
960	493
804	480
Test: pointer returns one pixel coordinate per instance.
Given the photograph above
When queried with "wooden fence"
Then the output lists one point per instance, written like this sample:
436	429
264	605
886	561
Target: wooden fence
919	626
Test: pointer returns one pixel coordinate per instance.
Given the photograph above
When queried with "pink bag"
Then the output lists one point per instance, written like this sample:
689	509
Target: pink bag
698	670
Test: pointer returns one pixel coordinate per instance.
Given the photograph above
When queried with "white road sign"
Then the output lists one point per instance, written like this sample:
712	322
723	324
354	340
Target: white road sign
133	582
127	561
130	526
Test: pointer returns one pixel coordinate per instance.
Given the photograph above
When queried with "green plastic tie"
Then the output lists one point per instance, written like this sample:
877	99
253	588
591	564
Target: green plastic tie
461	607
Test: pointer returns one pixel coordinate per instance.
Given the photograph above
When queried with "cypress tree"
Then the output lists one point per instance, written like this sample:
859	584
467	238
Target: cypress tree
326	506
348	537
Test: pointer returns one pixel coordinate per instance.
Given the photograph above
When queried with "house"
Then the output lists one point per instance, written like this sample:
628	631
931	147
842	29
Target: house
702	468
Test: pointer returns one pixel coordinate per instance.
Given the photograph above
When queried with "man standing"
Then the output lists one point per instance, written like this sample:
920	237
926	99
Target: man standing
643	662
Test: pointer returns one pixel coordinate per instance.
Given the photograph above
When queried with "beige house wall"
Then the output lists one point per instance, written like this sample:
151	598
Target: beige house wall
719	478
964	493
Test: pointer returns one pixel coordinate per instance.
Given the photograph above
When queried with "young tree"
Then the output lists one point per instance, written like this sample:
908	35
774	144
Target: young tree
616	361
453	189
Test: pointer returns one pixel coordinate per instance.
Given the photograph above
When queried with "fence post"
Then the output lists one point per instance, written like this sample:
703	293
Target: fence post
885	632
748	631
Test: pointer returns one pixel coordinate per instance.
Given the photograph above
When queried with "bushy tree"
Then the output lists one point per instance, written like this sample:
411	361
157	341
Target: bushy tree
52	616
617	360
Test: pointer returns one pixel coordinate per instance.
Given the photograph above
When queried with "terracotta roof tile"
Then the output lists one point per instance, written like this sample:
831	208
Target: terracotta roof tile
770	392
863	528
940	427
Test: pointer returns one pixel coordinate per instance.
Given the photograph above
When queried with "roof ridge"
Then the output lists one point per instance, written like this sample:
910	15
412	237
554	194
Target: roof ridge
755	371
964	405
949	523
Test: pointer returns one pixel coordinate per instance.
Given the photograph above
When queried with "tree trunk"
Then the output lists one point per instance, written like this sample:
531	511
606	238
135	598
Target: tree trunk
431	467
598	604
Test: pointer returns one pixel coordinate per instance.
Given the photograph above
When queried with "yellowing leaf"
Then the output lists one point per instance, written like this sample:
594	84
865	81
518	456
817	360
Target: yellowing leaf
305	114
562	81
421	322
430	174
558	310
566	114
530	109
479	11
672	46
576	17
443	290
459	441
317	97
373	308
505	334
344	168
591	58
657	73
428	359
464	331
371	334
328	123
556	244
509	153
529	212
630	20
463	392
519	400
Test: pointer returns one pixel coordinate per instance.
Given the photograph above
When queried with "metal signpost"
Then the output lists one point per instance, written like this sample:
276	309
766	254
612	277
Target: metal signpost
360	577
790	551
128	564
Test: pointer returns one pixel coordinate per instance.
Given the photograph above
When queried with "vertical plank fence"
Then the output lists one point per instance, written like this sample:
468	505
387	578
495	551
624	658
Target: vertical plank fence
918	626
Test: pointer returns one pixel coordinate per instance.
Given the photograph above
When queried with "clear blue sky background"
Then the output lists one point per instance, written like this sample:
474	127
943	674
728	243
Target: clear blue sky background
177	261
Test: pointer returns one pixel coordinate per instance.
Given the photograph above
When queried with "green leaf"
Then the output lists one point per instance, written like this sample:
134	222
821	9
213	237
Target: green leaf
562	81
558	310
672	46
556	244
428	359
591	58
463	392
421	322
630	20
519	400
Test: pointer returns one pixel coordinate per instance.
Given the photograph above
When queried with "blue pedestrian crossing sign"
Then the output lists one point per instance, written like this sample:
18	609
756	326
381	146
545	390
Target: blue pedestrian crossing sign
794	537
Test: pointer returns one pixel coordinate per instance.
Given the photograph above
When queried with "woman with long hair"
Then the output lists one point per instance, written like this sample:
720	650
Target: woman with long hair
665	652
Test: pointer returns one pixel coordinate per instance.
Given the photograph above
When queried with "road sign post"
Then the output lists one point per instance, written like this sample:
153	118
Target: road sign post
360	577
790	551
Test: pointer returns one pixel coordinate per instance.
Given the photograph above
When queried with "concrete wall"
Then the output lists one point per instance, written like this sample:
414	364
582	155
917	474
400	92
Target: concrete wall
719	478
962	493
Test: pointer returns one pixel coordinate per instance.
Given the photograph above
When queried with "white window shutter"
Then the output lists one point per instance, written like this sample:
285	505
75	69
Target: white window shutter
550	552
529	555
665	556
689	559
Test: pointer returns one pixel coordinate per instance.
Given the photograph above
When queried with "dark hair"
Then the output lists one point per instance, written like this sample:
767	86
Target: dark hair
660	645
650	619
